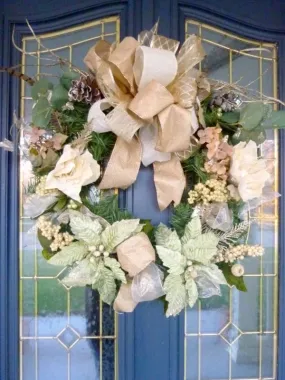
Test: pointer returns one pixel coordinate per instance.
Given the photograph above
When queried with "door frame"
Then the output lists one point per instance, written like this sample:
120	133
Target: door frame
134	18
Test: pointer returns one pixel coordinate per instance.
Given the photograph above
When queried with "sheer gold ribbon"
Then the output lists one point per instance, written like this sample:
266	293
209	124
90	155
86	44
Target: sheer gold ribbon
134	255
147	85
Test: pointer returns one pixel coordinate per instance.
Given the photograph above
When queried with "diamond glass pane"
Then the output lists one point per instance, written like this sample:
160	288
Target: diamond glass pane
64	333
234	337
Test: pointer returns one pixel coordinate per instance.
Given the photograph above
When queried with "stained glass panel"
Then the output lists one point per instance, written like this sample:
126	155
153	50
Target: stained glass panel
65	333
235	336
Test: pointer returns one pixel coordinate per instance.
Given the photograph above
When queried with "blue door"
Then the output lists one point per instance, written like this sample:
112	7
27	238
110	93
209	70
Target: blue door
51	332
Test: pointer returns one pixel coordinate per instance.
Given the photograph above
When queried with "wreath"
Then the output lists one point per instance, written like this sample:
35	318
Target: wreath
145	101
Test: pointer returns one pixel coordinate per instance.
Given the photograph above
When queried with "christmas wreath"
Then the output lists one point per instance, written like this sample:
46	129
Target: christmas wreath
145	101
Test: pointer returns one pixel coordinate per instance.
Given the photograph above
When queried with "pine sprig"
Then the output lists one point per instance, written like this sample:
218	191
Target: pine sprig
181	216
194	164
74	120
101	145
107	208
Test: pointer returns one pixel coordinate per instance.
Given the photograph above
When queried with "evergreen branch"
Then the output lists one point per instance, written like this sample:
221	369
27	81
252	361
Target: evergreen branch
107	208
101	145
195	164
181	216
74	120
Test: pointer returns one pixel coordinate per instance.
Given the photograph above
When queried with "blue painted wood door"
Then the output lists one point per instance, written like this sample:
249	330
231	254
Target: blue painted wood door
151	347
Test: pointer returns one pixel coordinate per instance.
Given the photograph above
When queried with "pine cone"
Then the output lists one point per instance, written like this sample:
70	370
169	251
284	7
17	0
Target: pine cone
227	102
84	90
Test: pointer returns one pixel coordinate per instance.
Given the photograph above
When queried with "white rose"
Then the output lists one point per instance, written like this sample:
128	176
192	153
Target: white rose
247	171
73	170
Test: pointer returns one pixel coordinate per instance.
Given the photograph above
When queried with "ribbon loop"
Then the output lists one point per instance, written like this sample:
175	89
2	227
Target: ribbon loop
136	253
151	100
175	129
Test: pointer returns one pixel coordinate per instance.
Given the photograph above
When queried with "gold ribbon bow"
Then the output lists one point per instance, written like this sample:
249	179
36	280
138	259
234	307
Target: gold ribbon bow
153	93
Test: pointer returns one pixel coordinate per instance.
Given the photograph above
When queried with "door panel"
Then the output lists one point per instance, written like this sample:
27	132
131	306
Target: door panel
65	333
239	330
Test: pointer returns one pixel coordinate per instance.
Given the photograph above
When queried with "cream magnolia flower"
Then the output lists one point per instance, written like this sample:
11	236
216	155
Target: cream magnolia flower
73	170
247	171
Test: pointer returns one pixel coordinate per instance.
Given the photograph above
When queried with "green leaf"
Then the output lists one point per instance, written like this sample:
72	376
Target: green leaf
81	275
230	117
107	286
202	248
175	294
171	259
115	267
59	97
192	229
67	77
68	255
48	163
148	227
232	280
41	113
44	242
166	238
252	114
115	234
84	228
46	254
40	88
257	136
276	120
192	292
61	203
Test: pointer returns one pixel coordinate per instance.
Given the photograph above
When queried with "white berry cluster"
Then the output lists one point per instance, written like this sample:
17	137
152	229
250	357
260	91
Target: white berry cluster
191	269
41	188
51	232
238	253
213	190
72	205
96	252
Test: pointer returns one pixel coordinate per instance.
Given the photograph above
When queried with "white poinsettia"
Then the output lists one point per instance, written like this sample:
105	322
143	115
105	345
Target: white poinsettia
191	272
247	171
90	255
73	170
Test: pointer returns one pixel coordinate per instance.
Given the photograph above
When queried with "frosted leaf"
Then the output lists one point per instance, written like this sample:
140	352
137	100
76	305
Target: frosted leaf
68	255
115	234
192	230
192	292
84	228
167	238
107	286
175	294
202	248
172	260
81	275
115	267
